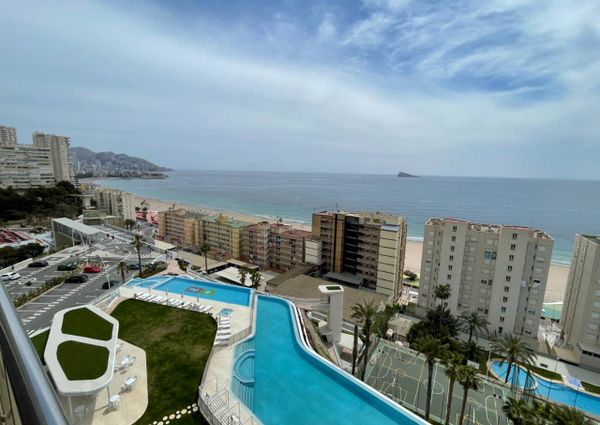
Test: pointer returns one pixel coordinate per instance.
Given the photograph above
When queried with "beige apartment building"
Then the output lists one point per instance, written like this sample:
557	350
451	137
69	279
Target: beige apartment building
59	154
361	248
499	271
115	202
580	317
273	245
223	235
23	166
181	227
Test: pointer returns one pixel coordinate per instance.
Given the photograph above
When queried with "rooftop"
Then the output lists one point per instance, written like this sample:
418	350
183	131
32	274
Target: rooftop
227	221
592	238
77	226
490	228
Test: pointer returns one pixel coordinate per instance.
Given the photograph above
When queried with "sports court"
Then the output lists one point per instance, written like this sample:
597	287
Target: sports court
401	374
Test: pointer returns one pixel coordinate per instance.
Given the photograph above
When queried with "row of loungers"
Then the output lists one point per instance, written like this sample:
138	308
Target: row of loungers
223	330
174	302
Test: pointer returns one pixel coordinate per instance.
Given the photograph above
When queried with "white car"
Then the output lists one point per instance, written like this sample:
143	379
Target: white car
11	276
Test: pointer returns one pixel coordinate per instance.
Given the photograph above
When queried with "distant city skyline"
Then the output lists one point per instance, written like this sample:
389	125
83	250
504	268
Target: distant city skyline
457	88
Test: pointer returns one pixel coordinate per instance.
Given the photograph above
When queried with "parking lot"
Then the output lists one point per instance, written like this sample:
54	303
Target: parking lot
112	248
401	374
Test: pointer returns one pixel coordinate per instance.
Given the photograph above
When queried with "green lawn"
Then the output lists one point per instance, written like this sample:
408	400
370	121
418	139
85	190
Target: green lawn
83	322
39	343
177	344
82	361
591	387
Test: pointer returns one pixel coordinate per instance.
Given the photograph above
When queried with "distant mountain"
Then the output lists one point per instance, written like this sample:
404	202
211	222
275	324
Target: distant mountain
402	174
98	164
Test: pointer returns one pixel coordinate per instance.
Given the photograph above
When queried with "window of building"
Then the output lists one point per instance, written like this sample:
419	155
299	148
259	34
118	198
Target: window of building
449	277
509	268
452	258
490	255
508	278
454	228
514	236
506	289
501	319
511	257
484	281
504	299
450	267
453	238
513	247
452	248
500	329
503	309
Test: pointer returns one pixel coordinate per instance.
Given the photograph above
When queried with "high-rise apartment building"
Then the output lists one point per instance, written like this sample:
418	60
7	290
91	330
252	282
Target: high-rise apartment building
181	227
498	271
363	249
224	235
115	202
59	155
273	245
25	166
8	135
580	317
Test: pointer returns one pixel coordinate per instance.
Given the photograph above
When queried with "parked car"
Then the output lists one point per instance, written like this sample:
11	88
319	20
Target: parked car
91	269
38	264
112	282
11	276
67	267
78	278
133	266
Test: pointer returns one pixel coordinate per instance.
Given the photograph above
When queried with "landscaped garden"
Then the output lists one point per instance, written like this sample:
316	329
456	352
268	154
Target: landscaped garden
82	361
177	344
84	322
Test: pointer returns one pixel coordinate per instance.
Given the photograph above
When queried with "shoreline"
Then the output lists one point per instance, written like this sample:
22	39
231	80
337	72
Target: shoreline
557	275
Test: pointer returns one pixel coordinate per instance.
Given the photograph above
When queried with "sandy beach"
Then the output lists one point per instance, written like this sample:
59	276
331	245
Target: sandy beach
557	278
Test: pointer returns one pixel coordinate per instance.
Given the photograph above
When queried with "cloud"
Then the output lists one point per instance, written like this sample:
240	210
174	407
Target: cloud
208	98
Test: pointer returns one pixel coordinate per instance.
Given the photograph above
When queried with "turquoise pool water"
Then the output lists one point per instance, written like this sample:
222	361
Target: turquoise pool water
551	390
196	288
294	387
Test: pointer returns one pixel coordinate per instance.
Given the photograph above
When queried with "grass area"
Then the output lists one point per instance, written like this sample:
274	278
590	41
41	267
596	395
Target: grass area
591	387
84	322
546	373
39	343
82	361
177	344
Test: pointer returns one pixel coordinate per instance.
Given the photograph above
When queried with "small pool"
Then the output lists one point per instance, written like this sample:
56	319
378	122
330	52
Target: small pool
293	386
552	390
225	312
195	288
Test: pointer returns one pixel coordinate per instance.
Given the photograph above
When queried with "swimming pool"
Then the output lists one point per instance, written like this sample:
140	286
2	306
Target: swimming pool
294	386
196	288
552	390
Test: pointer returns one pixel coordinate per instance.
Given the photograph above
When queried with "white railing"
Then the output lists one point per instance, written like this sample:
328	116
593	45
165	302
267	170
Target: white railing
219	407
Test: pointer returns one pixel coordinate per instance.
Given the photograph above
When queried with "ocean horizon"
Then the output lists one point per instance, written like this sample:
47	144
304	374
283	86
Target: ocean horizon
560	207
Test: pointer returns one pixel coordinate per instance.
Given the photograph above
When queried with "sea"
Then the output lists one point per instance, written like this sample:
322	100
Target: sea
560	207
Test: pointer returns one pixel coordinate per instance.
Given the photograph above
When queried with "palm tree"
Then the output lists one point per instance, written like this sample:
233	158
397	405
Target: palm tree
366	312
470	350
432	349
138	244
122	268
513	350
517	411
472	322
453	362
382	323
255	278
243	272
354	349
566	415
442	292
204	248
469	379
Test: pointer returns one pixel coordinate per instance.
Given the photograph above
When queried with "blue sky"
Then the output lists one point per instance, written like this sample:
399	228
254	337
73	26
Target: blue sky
493	88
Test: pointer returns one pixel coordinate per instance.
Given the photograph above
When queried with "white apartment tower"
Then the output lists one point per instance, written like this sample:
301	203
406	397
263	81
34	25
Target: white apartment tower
8	135
59	154
499	271
580	317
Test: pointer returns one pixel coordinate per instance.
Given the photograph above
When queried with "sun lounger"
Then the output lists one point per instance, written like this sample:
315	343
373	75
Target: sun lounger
144	297
224	326
222	337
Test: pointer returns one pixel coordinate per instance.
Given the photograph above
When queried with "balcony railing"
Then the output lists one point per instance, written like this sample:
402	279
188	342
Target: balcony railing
33	399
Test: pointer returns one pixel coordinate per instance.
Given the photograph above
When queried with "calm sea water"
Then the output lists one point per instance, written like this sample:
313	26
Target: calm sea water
561	207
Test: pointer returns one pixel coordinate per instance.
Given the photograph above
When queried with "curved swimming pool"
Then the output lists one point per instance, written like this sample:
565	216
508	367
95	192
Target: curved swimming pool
294	386
552	390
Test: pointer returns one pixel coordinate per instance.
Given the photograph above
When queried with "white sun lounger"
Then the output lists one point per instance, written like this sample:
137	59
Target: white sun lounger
144	297
205	308
224	320
224	327
222	337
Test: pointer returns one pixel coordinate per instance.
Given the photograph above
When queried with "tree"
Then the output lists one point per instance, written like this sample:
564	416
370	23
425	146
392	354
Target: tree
382	323
366	312
204	249
566	415
452	362
470	350
513	350
255	278
129	223
433	350
516	410
472	322
354	349
469	379
439	323
243	272
442	292
138	244
122	268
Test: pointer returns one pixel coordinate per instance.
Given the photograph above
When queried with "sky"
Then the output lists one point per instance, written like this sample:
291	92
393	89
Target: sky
450	87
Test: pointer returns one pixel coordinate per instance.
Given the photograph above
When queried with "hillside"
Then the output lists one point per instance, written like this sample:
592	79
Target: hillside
87	162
